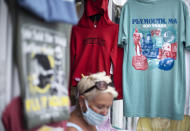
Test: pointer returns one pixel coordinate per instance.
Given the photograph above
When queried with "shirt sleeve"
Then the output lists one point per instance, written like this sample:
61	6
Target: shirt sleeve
186	8
123	30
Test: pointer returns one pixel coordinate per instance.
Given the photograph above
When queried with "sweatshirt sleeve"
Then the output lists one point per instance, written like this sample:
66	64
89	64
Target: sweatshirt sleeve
118	73
123	31
117	60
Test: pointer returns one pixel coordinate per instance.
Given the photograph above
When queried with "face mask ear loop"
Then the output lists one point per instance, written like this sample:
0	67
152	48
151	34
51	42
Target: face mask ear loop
86	103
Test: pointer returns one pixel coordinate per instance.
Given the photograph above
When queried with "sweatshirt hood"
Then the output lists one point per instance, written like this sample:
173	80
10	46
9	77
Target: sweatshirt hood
94	7
95	14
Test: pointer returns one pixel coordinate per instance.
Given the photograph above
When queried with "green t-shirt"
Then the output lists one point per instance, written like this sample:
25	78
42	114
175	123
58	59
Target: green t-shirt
154	35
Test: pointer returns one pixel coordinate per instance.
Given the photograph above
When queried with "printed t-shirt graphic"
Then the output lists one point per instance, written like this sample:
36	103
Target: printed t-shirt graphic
154	46
45	96
154	35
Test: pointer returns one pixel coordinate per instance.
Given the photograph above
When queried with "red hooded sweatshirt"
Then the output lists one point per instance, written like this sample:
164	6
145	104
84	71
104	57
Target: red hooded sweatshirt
94	44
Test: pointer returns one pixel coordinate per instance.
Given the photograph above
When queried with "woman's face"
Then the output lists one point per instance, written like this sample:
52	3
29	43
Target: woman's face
101	103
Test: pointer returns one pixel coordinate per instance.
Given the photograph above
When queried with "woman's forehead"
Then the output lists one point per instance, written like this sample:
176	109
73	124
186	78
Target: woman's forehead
102	98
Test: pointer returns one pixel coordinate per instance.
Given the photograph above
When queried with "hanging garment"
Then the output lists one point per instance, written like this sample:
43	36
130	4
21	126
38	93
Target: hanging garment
117	118
157	124
187	103
94	44
116	9
187	56
52	10
13	120
41	57
152	33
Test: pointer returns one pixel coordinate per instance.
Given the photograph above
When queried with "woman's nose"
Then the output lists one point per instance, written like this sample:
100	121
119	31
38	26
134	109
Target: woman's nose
104	111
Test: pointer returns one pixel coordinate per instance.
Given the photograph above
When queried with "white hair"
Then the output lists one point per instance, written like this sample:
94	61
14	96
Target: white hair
88	81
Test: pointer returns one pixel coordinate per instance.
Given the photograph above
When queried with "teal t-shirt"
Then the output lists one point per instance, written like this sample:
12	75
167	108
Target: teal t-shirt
154	35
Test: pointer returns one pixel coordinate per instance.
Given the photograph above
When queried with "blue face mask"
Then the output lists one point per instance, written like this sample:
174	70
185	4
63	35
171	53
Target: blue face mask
92	117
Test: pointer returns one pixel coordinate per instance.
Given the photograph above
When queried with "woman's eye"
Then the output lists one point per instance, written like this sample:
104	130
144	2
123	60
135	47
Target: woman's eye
100	107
